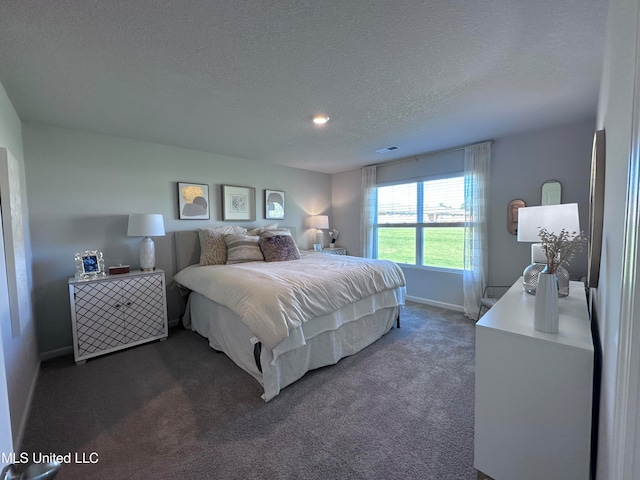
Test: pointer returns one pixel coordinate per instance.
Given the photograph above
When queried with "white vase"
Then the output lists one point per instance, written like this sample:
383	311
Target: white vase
546	304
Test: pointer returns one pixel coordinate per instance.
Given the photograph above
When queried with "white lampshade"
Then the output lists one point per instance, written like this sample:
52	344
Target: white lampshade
146	225
319	221
551	217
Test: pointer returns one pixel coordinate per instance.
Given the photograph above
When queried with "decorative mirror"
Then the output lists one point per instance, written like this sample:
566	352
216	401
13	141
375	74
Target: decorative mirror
551	193
596	207
512	215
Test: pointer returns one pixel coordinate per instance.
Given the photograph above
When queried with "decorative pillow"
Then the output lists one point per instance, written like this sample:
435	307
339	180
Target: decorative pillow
275	231
213	249
242	249
264	228
279	248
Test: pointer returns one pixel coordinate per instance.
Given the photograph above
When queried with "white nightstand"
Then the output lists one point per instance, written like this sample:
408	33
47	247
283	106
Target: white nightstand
117	311
331	251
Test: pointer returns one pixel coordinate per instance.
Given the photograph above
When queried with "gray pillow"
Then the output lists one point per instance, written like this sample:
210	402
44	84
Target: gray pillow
279	248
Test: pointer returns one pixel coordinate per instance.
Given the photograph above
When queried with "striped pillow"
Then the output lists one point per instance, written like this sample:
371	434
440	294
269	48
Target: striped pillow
242	249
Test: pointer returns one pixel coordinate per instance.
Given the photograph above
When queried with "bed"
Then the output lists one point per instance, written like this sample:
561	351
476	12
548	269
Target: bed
278	320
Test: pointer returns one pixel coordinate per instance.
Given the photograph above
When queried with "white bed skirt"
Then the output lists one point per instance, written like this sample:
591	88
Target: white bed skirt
325	340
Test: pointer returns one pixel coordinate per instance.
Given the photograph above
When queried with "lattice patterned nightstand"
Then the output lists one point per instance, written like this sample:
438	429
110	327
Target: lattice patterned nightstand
331	251
117	311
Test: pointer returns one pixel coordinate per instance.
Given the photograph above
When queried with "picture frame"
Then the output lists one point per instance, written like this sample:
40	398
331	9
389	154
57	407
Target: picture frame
193	201
274	204
596	208
89	264
238	203
317	247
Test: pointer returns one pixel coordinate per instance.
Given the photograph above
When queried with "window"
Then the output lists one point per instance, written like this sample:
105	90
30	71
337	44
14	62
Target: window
422	222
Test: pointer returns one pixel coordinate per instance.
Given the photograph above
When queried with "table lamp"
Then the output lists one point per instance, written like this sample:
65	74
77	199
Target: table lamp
553	218
319	222
146	225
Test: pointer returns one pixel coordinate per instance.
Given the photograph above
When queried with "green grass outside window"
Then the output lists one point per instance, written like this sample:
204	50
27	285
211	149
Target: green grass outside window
442	247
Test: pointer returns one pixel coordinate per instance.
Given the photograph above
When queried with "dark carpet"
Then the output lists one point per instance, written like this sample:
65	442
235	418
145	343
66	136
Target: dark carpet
400	409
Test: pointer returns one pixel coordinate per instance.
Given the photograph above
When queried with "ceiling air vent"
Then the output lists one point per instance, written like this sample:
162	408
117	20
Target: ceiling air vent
387	150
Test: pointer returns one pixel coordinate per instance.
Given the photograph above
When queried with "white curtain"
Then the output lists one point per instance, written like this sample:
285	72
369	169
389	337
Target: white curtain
477	159
368	214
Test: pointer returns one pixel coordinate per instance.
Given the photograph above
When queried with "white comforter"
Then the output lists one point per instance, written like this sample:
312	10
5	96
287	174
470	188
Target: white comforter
272	298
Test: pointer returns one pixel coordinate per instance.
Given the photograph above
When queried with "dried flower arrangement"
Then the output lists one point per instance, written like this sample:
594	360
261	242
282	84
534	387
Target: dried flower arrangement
333	233
560	248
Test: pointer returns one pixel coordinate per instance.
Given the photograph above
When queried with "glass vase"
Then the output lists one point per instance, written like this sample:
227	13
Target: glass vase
532	273
563	281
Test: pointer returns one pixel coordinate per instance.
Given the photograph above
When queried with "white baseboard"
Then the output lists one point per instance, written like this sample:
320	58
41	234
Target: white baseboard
58	352
17	441
435	303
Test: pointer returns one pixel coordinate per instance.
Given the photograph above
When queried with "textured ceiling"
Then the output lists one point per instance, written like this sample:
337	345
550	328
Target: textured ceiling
244	77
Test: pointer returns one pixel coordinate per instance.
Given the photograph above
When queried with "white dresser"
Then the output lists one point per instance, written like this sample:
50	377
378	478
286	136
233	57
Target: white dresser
117	311
533	391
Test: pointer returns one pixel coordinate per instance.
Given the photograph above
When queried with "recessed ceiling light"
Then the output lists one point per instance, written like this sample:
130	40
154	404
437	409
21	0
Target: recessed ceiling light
320	119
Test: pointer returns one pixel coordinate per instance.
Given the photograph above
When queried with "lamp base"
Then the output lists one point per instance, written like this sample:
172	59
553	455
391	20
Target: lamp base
531	275
147	255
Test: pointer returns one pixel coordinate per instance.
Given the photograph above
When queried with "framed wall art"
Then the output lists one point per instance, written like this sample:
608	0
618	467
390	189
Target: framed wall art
238	203
274	205
193	201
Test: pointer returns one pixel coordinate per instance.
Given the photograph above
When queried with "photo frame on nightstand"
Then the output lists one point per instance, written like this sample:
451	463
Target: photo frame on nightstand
89	264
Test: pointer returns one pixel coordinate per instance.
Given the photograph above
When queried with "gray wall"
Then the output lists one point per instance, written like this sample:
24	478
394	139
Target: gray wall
520	165
82	187
20	353
346	202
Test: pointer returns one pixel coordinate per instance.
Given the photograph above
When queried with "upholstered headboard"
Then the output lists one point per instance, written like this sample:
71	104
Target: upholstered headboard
188	247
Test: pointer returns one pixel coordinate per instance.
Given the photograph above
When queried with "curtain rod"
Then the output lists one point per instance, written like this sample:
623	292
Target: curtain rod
429	154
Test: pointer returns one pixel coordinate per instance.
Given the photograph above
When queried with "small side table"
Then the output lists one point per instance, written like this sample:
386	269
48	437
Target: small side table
117	311
330	251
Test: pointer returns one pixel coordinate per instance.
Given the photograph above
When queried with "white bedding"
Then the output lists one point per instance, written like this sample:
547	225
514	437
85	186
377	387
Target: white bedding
327	338
273	299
